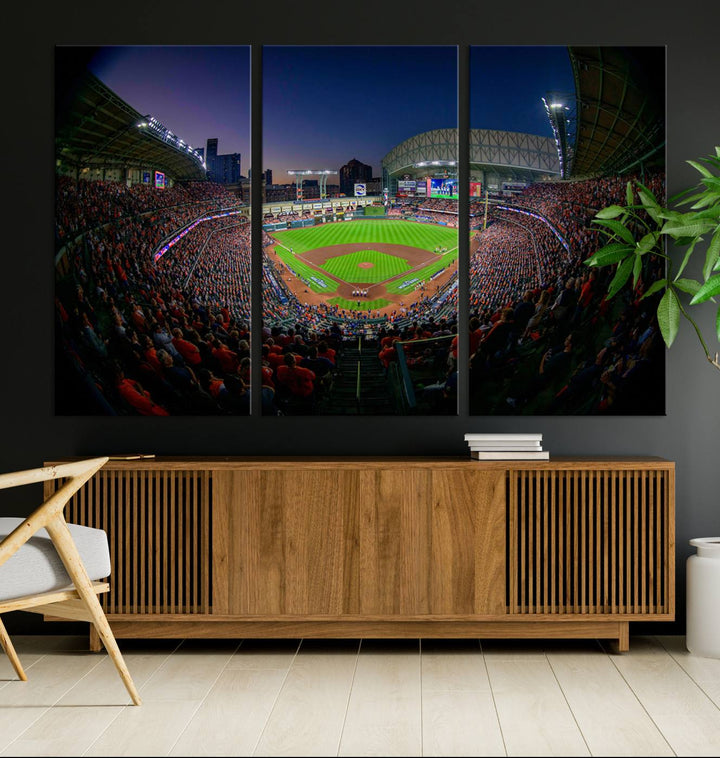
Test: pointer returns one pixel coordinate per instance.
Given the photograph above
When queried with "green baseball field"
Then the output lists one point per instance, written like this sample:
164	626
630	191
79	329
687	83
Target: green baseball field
384	258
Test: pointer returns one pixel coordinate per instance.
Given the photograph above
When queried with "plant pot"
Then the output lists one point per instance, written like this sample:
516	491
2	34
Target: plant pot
703	598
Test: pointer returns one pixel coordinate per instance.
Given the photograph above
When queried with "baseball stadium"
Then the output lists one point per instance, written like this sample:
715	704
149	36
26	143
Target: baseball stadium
359	294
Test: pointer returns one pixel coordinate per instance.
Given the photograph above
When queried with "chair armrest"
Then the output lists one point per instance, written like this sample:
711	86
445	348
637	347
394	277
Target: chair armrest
61	471
77	474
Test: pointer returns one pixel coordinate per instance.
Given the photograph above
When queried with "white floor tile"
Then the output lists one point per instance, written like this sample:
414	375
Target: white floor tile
384	712
375	698
308	716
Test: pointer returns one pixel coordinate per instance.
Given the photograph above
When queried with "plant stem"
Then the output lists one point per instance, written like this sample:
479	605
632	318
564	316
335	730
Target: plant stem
715	362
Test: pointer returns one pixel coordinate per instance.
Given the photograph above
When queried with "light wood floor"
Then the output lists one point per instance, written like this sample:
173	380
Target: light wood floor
352	698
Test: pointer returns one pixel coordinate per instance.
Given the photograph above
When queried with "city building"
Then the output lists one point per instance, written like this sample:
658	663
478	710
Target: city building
225	168
351	173
374	186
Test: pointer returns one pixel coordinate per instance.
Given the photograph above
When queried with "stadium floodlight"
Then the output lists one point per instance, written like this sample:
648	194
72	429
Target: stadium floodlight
308	171
560	113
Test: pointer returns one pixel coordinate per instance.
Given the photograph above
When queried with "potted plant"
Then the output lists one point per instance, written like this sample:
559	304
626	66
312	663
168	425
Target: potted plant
640	228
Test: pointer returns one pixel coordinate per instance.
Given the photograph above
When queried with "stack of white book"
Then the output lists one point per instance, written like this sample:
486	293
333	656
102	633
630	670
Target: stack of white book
503	447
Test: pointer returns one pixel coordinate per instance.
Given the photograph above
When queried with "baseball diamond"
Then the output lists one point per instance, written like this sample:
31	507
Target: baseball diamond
387	260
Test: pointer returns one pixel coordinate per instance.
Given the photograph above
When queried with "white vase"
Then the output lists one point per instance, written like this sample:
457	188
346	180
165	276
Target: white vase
702	636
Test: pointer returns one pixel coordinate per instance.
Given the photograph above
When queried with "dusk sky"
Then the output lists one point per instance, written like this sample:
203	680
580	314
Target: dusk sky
198	92
323	106
507	84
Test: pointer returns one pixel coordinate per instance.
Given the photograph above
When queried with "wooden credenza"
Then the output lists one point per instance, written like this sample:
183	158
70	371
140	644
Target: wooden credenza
384	547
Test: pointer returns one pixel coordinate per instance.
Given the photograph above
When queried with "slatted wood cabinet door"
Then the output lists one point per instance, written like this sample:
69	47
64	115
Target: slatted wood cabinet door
592	542
159	526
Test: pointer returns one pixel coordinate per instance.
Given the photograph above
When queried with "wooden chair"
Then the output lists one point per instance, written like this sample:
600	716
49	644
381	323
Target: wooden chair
61	581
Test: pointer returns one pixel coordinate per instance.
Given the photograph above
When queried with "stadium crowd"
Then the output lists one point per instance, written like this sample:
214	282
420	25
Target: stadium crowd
84	205
430	210
172	337
136	337
543	335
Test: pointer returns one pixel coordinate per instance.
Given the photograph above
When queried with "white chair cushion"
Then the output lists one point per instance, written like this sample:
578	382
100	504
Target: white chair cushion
36	567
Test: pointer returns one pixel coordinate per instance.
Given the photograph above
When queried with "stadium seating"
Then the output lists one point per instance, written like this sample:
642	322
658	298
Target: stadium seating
118	311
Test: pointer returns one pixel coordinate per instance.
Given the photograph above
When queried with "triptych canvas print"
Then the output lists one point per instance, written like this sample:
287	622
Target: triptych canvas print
370	274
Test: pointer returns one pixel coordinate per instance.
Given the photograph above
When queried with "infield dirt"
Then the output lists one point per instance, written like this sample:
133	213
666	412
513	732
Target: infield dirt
416	257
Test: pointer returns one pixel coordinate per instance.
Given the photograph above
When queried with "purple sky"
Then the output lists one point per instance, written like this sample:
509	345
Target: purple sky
198	92
324	105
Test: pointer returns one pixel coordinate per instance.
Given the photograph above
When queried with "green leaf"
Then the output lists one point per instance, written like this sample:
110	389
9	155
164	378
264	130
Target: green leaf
689	199
621	276
699	167
683	194
668	315
612	211
619	229
688	253
647	243
708	290
712	257
650	204
611	253
709	214
717	324
682	241
687	285
691	229
654	287
711	182
647	191
637	270
629	199
708	198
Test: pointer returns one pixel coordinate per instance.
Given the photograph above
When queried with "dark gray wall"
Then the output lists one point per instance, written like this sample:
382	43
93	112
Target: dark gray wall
690	432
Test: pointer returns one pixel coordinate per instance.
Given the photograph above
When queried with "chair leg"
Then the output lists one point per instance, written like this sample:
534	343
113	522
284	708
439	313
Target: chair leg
7	646
70	557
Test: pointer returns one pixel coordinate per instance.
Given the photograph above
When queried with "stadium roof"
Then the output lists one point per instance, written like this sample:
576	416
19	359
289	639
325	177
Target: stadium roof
516	151
94	128
519	155
620	95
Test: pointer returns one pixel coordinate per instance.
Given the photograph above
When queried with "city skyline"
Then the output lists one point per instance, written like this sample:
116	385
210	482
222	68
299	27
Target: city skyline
325	105
199	92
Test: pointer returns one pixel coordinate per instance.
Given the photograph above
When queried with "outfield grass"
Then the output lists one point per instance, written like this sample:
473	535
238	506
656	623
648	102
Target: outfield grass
347	267
312	276
423	236
423	273
365	305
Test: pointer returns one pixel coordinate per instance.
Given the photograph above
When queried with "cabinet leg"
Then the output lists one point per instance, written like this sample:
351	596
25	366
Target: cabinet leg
622	643
624	638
